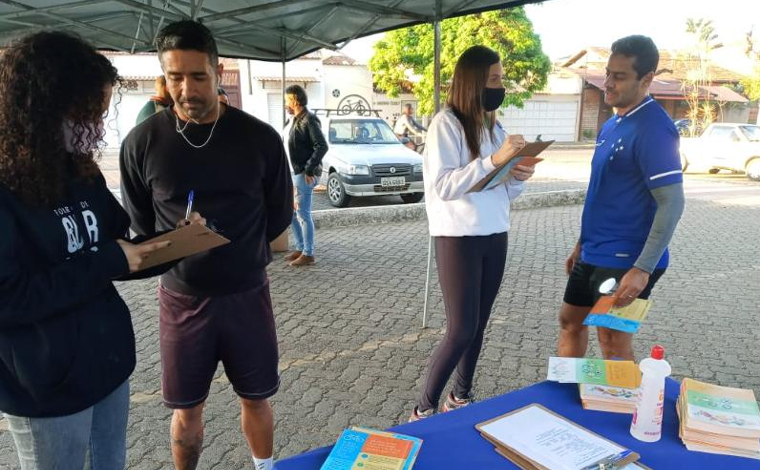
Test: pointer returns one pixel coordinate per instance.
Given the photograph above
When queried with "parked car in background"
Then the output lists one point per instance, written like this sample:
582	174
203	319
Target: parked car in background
725	146
367	159
684	127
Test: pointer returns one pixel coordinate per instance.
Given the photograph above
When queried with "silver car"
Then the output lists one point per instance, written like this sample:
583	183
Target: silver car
367	159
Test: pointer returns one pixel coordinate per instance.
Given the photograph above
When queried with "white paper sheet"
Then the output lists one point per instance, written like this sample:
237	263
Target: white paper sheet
549	440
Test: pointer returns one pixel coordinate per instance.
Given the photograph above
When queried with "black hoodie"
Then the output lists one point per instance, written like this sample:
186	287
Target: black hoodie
66	338
242	186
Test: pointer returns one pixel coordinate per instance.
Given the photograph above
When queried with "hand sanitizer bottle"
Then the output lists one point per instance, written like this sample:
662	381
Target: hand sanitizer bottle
647	419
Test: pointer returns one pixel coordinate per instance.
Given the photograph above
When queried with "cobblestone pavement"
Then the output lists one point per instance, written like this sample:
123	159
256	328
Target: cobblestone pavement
352	351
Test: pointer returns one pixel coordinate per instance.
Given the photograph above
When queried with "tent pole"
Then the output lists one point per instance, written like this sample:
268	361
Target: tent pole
437	100
282	57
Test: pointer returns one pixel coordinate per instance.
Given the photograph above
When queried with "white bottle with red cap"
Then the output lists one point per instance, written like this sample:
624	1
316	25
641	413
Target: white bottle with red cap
647	419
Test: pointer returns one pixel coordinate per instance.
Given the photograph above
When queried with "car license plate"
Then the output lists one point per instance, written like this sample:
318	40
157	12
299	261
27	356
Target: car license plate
397	181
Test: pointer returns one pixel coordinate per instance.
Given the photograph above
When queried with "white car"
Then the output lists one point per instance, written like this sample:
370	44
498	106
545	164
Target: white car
366	158
725	146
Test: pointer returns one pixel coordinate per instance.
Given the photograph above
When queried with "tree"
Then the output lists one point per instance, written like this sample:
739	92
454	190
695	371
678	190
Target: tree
751	84
408	52
701	111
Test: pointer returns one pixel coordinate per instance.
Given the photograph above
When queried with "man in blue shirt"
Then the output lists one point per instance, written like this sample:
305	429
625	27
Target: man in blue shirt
633	204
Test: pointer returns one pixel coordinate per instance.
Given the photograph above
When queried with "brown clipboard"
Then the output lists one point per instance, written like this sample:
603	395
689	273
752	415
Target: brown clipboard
529	154
186	241
526	463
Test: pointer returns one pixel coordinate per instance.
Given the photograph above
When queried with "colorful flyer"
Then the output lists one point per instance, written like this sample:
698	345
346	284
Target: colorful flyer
594	371
366	449
723	406
627	319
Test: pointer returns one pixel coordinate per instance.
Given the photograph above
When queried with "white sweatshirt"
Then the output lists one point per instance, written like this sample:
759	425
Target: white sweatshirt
449	173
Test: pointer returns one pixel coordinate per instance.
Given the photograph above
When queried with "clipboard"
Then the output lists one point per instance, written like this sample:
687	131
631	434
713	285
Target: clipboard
528	155
186	241
525	462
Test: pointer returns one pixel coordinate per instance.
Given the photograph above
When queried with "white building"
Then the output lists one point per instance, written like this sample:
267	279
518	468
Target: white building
139	72
331	80
552	113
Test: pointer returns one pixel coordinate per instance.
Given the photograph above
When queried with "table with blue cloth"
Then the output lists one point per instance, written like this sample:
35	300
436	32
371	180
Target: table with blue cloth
450	440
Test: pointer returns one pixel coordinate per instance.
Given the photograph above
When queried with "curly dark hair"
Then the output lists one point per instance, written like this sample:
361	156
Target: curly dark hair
50	80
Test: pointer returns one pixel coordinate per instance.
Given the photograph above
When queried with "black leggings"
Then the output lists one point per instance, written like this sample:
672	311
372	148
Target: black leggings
470	270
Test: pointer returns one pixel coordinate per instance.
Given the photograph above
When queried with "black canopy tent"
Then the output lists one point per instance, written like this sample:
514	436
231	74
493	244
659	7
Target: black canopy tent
275	30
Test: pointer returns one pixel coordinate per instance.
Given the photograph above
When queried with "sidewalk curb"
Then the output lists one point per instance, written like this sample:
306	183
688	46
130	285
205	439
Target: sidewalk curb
408	212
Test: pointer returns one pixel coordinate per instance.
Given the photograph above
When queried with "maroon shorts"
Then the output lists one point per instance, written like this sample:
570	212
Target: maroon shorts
198	332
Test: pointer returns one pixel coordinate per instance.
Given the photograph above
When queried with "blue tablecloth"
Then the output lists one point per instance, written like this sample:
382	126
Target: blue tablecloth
452	442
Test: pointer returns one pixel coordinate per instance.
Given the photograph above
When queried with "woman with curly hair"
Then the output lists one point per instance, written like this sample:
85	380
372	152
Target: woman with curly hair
67	347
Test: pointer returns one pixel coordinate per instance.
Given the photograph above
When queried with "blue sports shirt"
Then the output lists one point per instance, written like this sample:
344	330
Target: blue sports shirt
635	153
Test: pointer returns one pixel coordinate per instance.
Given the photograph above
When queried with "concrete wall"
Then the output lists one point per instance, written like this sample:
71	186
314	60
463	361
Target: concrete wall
343	85
592	103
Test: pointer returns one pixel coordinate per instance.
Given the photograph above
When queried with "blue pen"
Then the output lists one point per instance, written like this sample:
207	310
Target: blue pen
190	197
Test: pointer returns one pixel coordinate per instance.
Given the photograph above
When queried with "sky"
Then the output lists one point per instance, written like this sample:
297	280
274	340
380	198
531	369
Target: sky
567	26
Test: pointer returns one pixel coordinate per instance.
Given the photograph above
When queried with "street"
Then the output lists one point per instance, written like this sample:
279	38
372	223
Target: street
352	351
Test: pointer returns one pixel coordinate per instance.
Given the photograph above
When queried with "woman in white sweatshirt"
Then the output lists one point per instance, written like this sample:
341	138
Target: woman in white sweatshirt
464	144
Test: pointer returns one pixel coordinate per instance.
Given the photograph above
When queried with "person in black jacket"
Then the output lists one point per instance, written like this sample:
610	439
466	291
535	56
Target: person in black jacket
307	146
216	305
67	347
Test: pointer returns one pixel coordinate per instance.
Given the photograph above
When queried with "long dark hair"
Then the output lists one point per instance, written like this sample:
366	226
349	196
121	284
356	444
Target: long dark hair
465	96
48	79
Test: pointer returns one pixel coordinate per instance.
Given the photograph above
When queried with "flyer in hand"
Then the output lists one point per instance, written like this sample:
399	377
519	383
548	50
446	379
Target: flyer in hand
626	319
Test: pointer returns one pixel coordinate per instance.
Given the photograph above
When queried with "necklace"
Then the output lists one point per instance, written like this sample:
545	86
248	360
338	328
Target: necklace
182	131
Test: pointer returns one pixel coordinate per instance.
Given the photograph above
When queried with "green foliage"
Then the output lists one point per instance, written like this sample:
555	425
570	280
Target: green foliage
409	51
704	31
751	85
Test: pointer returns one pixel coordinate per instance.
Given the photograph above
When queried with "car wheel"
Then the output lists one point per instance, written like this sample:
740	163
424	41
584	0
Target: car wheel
753	169
713	171
336	193
412	197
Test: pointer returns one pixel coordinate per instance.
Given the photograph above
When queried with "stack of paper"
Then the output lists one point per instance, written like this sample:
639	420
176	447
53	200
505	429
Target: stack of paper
368	449
606	398
534	437
604	385
719	420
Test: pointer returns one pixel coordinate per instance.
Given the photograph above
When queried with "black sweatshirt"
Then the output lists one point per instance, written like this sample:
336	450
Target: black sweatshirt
242	185
66	338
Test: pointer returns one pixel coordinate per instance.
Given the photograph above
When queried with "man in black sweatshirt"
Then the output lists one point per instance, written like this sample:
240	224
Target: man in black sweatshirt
215	305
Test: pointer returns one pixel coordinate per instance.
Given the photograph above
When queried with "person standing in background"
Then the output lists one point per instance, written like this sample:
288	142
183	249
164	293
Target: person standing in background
306	146
157	103
406	125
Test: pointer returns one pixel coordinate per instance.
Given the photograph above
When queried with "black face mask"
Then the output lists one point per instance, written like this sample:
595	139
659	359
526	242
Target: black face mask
492	98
